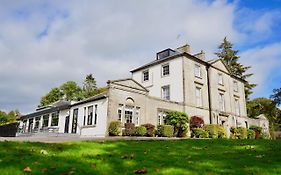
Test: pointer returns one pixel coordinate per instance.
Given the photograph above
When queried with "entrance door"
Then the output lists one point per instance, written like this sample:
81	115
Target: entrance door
74	121
30	126
66	125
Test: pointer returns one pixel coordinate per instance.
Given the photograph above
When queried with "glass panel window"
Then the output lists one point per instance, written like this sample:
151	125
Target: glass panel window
145	75
220	79
55	119
161	117
37	121
166	92
90	115
221	102
198	94
96	114
137	116
119	112
45	120
237	108
129	114
235	86
85	116
197	71
165	70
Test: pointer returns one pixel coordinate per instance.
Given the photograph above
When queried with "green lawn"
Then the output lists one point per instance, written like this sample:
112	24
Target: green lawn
158	157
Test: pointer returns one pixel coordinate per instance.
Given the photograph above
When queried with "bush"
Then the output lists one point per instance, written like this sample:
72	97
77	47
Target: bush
150	129
180	122
165	130
139	131
129	129
234	133
114	128
251	134
257	130
221	132
199	133
196	122
264	135
212	130
242	133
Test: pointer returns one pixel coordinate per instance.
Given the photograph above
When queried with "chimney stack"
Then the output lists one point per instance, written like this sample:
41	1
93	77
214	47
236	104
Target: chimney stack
201	55
184	49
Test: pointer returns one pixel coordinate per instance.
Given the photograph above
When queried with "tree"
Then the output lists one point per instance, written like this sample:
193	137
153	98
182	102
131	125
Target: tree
179	120
230	58
89	86
54	95
71	91
268	108
276	97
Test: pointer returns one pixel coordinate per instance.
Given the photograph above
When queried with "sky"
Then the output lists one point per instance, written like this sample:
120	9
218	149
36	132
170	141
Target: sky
46	43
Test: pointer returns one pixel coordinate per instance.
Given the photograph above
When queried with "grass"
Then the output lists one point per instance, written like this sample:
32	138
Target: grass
191	156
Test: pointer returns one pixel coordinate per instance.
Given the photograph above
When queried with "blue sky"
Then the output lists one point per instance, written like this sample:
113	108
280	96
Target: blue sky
46	43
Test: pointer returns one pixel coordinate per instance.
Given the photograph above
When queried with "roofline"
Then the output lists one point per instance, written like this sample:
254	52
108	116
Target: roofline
90	99
125	79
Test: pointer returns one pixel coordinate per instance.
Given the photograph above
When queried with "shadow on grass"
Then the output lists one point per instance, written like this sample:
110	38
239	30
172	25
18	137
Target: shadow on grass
158	157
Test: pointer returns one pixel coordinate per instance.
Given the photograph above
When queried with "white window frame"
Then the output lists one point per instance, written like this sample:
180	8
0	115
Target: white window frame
145	77
120	112
235	86
165	72
237	106
197	71
221	102
220	78
198	95
165	95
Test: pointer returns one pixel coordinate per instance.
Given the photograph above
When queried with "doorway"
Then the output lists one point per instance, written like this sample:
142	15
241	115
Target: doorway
74	121
66	125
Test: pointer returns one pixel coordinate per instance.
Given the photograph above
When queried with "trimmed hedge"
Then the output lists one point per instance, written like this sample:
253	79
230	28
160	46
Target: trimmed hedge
114	128
242	133
140	131
251	134
129	129
9	130
215	131
199	133
165	130
150	128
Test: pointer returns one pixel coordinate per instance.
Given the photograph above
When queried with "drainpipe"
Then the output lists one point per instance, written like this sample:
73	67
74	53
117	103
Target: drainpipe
209	94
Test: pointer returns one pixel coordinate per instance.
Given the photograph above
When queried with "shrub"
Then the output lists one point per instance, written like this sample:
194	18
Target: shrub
114	128
150	129
165	130
251	134
242	133
180	122
257	130
139	131
199	133
264	135
129	129
221	132
234	133
212	130
196	122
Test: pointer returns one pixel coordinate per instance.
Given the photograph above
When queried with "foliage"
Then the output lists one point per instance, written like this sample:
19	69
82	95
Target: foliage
71	91
150	129
231	60
221	132
268	108
165	130
180	122
54	95
254	127
234	133
251	134
89	86
264	135
114	128
276	97
129	129
196	122
199	133
10	117
140	131
212	130
242	133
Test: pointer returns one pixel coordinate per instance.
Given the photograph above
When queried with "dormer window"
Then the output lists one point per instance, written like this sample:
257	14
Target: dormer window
220	78
197	71
145	75
165	70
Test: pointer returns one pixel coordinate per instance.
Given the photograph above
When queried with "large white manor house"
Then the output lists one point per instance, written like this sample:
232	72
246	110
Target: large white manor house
175	80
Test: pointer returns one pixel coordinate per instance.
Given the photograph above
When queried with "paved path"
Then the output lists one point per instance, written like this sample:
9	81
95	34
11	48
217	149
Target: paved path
61	139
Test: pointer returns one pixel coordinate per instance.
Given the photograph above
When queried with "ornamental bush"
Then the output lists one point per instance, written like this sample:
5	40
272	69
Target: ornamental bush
114	128
129	129
199	133
140	131
150	128
196	122
251	134
165	130
212	130
257	130
242	133
221	132
264	135
180	122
